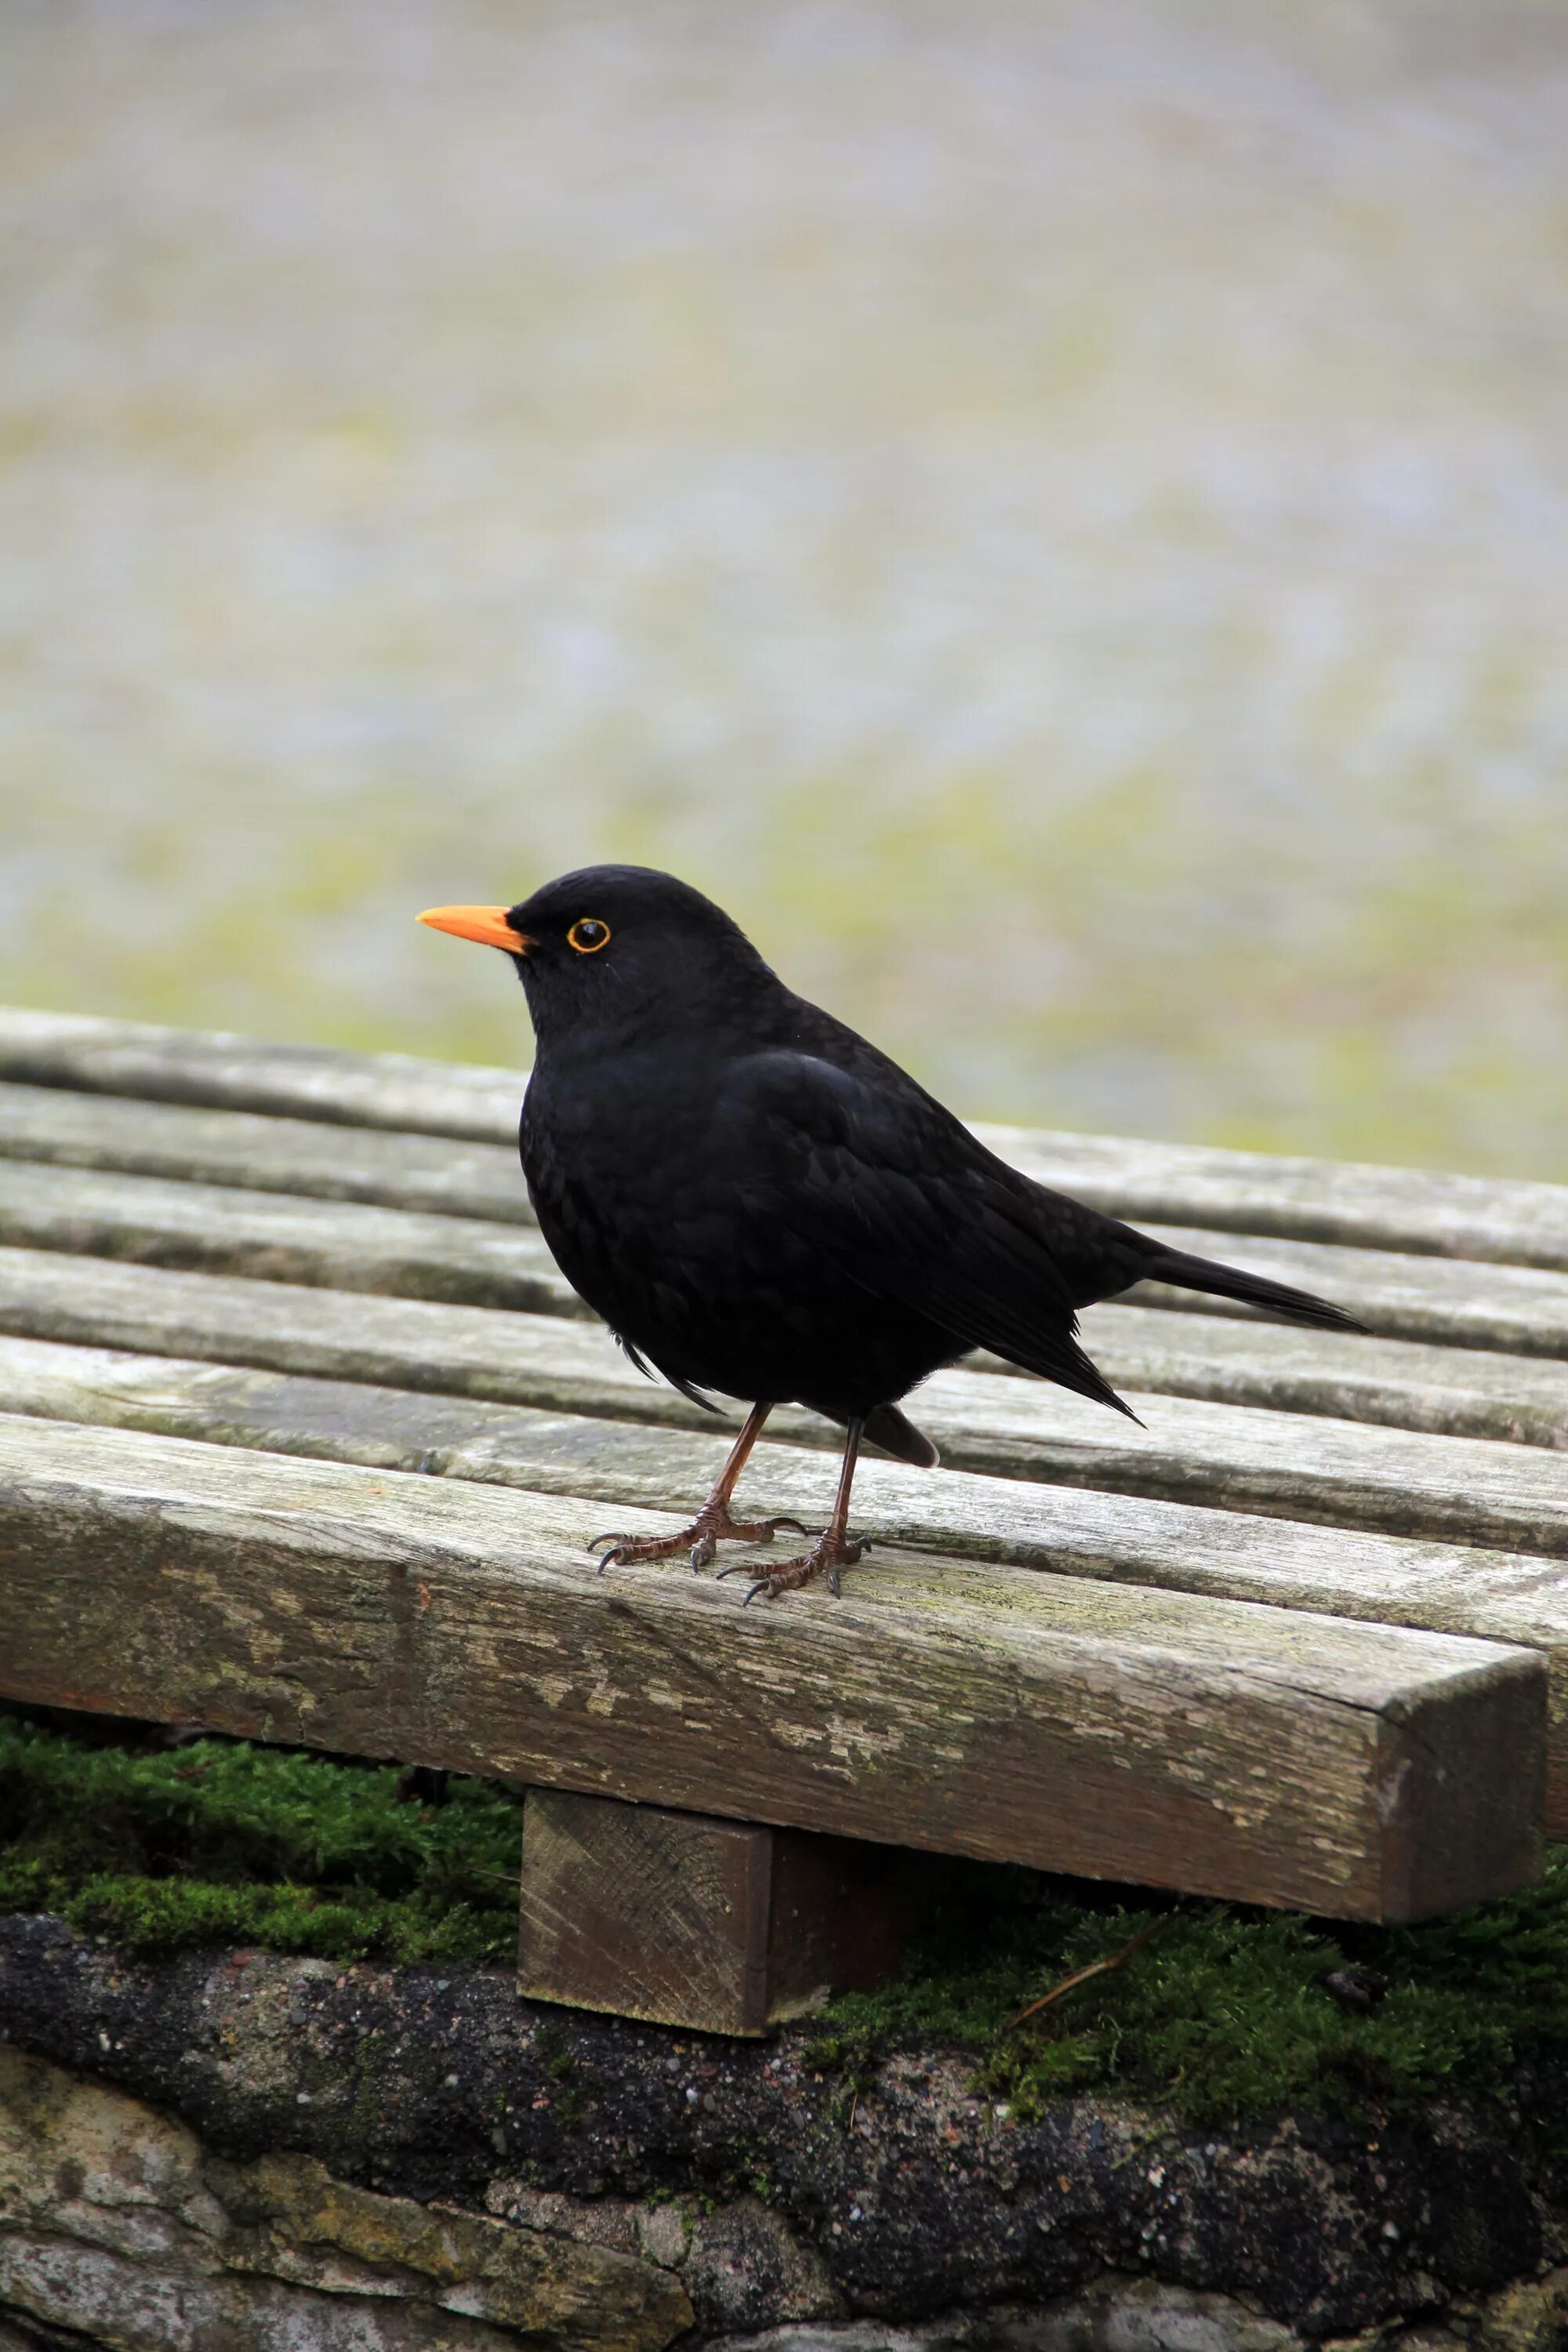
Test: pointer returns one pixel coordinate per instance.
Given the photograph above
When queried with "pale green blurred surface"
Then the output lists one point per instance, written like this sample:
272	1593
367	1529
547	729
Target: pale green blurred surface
1057	515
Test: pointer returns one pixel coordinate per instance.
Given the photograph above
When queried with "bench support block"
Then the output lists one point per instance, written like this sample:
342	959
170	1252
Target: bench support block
685	1919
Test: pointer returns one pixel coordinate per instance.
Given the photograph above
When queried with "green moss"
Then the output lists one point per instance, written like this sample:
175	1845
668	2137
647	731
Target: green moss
1223	2012
220	1842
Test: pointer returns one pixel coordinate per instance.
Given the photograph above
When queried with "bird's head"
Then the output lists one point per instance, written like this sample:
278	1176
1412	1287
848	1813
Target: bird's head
611	944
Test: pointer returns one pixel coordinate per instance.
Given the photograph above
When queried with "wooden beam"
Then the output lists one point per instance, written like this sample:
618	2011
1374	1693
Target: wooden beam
461	1239
331	1245
342	1246
1456	1302
256	1152
686	1919
1260	1754
1185	1184
1294	1466
1389	1579
1451	1391
226	1072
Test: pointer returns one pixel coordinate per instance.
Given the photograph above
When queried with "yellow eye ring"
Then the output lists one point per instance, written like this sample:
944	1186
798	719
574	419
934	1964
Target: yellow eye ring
588	935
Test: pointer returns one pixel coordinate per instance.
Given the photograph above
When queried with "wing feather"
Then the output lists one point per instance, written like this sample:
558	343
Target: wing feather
898	1194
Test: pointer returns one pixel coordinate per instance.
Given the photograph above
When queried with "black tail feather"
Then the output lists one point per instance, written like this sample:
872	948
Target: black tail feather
1187	1273
896	1436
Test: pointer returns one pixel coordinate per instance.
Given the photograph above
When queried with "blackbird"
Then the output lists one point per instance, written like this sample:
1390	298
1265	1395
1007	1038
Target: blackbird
758	1201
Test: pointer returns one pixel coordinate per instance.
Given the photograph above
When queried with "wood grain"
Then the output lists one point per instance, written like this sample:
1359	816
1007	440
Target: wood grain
1452	1301
251	1228
1294	1466
331	1245
1452	1392
226	1072
349	1247
1398	1209
645	1912
1231	1555
259	1152
686	1920
1263	1754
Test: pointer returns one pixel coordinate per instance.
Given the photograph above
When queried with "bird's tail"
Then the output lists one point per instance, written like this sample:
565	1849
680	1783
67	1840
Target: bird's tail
896	1436
1187	1273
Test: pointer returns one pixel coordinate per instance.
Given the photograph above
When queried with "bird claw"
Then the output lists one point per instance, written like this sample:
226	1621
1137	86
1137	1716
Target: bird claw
829	1554
707	1531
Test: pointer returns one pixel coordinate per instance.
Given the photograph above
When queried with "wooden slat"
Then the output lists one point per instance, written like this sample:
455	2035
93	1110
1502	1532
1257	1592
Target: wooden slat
327	1244
1292	1465
264	1153
1492	1219
609	1466
1262	1754
232	1072
1455	1302
1518	1309
466	1261
1233	1191
1451	1391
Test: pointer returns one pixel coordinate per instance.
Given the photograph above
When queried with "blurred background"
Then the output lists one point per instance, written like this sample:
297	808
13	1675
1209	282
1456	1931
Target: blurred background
1055	514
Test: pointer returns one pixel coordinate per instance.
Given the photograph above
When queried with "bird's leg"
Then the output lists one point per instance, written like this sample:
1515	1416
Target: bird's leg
712	1526
834	1547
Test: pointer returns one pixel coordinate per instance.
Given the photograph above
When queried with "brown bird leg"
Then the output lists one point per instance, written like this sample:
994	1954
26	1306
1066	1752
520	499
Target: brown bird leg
834	1547
712	1526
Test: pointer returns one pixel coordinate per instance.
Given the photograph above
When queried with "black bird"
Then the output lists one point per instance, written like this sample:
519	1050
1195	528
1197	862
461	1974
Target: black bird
759	1201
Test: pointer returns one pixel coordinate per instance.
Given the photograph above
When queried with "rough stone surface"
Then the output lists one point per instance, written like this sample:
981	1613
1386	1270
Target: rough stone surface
116	2223
371	2122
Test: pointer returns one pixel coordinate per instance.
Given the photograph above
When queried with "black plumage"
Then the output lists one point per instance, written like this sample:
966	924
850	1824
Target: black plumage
761	1203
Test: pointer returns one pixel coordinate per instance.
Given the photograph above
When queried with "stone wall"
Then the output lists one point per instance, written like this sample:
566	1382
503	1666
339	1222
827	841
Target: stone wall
243	2153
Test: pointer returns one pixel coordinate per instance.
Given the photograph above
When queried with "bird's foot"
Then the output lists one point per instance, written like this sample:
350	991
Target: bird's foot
707	1531
831	1550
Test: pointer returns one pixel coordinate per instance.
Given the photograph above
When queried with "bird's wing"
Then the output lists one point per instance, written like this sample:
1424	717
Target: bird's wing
892	1189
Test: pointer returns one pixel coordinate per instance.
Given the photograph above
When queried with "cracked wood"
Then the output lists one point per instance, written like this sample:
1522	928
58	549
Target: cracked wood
1262	1754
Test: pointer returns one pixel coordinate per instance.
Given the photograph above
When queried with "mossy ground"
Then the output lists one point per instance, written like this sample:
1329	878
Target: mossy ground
1223	2011
220	1842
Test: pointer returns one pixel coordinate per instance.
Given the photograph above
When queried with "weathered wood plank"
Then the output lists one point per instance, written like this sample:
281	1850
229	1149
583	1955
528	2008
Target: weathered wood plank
1395	1209
448	1253
1451	1391
686	1920
465	1261
227	1072
259	1152
1495	1219
1262	1754
1291	1465
1455	1302
1494	1595
326	1245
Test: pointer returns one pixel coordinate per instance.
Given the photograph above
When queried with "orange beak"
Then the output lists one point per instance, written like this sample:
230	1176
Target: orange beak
488	925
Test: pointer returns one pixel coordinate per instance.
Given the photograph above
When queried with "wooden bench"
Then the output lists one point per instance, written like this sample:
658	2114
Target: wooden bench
302	1437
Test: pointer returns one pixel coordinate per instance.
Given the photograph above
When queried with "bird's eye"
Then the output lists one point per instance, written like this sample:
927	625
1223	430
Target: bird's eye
588	935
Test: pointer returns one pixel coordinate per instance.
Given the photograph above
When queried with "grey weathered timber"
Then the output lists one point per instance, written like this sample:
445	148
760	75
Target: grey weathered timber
608	1466
1294	1466
232	1072
1457	1302
686	1919
341	1246
327	1244
1418	1297
1501	1219
188	1218
1263	1754
1188	1184
263	1154
1452	1392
